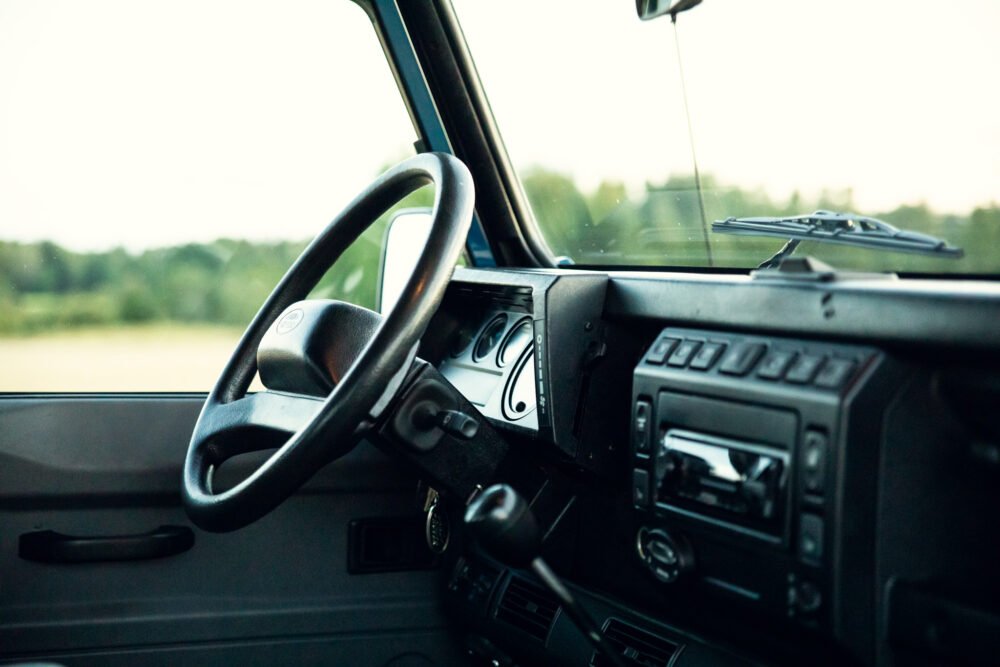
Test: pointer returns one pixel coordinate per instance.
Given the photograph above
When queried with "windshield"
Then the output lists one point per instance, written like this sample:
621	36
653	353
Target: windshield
880	109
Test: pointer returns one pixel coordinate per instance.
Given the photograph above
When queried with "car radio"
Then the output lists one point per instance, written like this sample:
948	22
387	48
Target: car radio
721	479
745	450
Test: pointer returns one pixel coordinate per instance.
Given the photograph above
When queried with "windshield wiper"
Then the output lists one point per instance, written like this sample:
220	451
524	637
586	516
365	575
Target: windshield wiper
830	227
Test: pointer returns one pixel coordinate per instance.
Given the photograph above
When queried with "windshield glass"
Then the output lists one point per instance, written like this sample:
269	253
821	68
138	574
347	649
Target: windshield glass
879	109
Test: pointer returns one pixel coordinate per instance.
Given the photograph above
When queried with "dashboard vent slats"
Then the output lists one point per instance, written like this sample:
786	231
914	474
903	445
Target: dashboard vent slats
528	607
638	647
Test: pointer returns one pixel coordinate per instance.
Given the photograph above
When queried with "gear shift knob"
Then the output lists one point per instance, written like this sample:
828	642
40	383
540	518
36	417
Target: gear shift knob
504	525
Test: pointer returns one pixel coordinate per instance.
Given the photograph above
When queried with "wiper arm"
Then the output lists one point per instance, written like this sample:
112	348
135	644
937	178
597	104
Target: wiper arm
830	227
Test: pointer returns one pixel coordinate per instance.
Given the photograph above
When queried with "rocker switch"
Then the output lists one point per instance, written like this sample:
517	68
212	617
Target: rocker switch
453	422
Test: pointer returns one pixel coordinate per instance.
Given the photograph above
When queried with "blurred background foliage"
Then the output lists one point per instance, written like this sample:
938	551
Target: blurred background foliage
45	287
662	226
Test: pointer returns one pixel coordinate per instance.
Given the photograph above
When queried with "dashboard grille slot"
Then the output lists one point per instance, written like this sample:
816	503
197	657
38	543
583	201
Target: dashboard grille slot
518	298
527	607
638	647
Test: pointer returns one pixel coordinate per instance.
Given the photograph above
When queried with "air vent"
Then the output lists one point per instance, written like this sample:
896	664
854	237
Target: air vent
638	647
528	607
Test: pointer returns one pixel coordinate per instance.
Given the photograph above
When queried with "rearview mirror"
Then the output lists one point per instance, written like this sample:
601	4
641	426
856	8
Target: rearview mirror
651	9
405	238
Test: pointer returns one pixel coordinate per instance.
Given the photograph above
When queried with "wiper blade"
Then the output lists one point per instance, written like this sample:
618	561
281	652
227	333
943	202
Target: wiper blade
845	228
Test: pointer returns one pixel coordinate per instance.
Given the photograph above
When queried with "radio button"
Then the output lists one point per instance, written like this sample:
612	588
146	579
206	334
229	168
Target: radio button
834	373
808	597
811	538
775	364
640	488
813	460
660	350
741	358
707	356
804	369
682	355
640	425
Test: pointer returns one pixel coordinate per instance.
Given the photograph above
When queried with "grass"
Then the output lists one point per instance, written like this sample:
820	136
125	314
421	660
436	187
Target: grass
136	358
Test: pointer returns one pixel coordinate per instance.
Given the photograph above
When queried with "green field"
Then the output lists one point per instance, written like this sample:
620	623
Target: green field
160	357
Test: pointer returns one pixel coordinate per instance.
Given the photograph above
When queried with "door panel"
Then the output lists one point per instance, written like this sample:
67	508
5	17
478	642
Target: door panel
109	466
393	650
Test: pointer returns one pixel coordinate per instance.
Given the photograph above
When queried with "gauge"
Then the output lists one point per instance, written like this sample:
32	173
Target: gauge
461	340
519	396
515	342
490	337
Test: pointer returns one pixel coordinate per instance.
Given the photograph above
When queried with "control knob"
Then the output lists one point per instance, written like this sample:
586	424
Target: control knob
667	556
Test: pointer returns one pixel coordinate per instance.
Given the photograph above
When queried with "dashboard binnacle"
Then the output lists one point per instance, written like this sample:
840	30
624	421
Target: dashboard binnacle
513	344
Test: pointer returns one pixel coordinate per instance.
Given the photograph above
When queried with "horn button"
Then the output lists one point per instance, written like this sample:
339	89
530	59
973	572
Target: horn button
312	344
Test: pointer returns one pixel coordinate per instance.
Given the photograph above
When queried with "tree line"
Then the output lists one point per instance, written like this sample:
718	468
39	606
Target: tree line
44	286
663	227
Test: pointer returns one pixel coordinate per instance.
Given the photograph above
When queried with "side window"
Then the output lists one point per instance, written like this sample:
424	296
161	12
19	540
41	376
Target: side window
161	166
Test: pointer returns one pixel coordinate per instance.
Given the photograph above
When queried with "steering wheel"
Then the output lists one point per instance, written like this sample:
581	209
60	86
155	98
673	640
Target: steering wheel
367	356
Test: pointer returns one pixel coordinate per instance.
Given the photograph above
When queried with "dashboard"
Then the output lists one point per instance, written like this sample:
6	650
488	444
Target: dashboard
706	490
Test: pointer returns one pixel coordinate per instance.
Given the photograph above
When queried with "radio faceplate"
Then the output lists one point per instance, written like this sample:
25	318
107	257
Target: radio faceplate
739	448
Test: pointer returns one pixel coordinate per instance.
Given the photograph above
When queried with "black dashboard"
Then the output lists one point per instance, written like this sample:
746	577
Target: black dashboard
706	489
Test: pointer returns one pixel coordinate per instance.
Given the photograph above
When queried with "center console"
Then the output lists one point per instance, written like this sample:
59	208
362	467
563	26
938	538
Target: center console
752	474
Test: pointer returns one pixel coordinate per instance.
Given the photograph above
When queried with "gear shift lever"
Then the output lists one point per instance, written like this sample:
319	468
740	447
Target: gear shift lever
504	525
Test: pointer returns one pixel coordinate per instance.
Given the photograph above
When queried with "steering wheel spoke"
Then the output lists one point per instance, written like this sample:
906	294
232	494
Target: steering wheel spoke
262	420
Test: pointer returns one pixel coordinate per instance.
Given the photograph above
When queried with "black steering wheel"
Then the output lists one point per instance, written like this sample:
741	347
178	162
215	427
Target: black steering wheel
367	356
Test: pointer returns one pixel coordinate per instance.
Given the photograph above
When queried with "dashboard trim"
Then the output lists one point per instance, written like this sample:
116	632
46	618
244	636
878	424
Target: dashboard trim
959	312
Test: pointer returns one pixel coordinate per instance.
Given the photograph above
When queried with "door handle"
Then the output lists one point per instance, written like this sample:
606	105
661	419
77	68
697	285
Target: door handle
48	546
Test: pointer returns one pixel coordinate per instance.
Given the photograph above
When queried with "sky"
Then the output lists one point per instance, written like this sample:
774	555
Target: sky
148	123
151	123
897	99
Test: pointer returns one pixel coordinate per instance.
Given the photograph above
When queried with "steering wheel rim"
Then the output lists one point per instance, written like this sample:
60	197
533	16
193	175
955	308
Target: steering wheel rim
322	430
